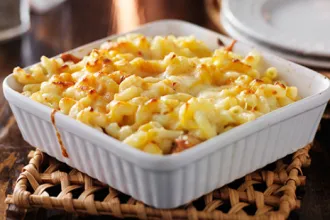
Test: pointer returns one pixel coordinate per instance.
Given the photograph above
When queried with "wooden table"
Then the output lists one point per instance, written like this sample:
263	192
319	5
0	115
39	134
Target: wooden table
77	22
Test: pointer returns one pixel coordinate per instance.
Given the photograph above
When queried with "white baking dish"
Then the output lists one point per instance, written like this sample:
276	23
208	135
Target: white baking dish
170	181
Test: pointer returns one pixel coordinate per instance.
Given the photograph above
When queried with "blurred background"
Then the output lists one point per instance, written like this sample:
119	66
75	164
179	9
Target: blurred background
295	29
32	28
55	26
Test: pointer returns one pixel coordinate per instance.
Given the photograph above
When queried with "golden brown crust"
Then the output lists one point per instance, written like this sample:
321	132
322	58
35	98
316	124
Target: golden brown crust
69	57
230	47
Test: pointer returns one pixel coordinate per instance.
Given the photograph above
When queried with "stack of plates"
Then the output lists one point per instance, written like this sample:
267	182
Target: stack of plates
298	30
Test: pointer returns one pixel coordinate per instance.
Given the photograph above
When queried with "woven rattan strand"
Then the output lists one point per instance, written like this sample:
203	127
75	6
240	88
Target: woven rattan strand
269	193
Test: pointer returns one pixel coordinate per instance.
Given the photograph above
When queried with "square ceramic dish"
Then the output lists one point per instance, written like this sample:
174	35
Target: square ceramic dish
172	180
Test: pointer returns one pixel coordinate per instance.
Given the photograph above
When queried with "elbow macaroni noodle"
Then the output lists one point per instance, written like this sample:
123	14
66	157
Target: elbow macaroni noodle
161	95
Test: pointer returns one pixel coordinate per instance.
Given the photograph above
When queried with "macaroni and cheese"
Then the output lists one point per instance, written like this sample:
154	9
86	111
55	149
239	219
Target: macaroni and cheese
161	95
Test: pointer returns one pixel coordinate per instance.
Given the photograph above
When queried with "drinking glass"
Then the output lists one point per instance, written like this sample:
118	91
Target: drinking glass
14	18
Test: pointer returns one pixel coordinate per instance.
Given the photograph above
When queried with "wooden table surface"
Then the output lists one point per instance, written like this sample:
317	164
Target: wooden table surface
77	22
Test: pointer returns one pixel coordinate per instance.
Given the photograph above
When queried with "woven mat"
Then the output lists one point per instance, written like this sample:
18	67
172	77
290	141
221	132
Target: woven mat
269	193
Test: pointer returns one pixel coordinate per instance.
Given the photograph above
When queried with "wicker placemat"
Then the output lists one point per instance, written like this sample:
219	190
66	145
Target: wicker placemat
269	193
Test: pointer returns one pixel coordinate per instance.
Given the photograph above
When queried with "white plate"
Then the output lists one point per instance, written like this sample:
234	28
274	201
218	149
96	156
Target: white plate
173	180
296	25
307	61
